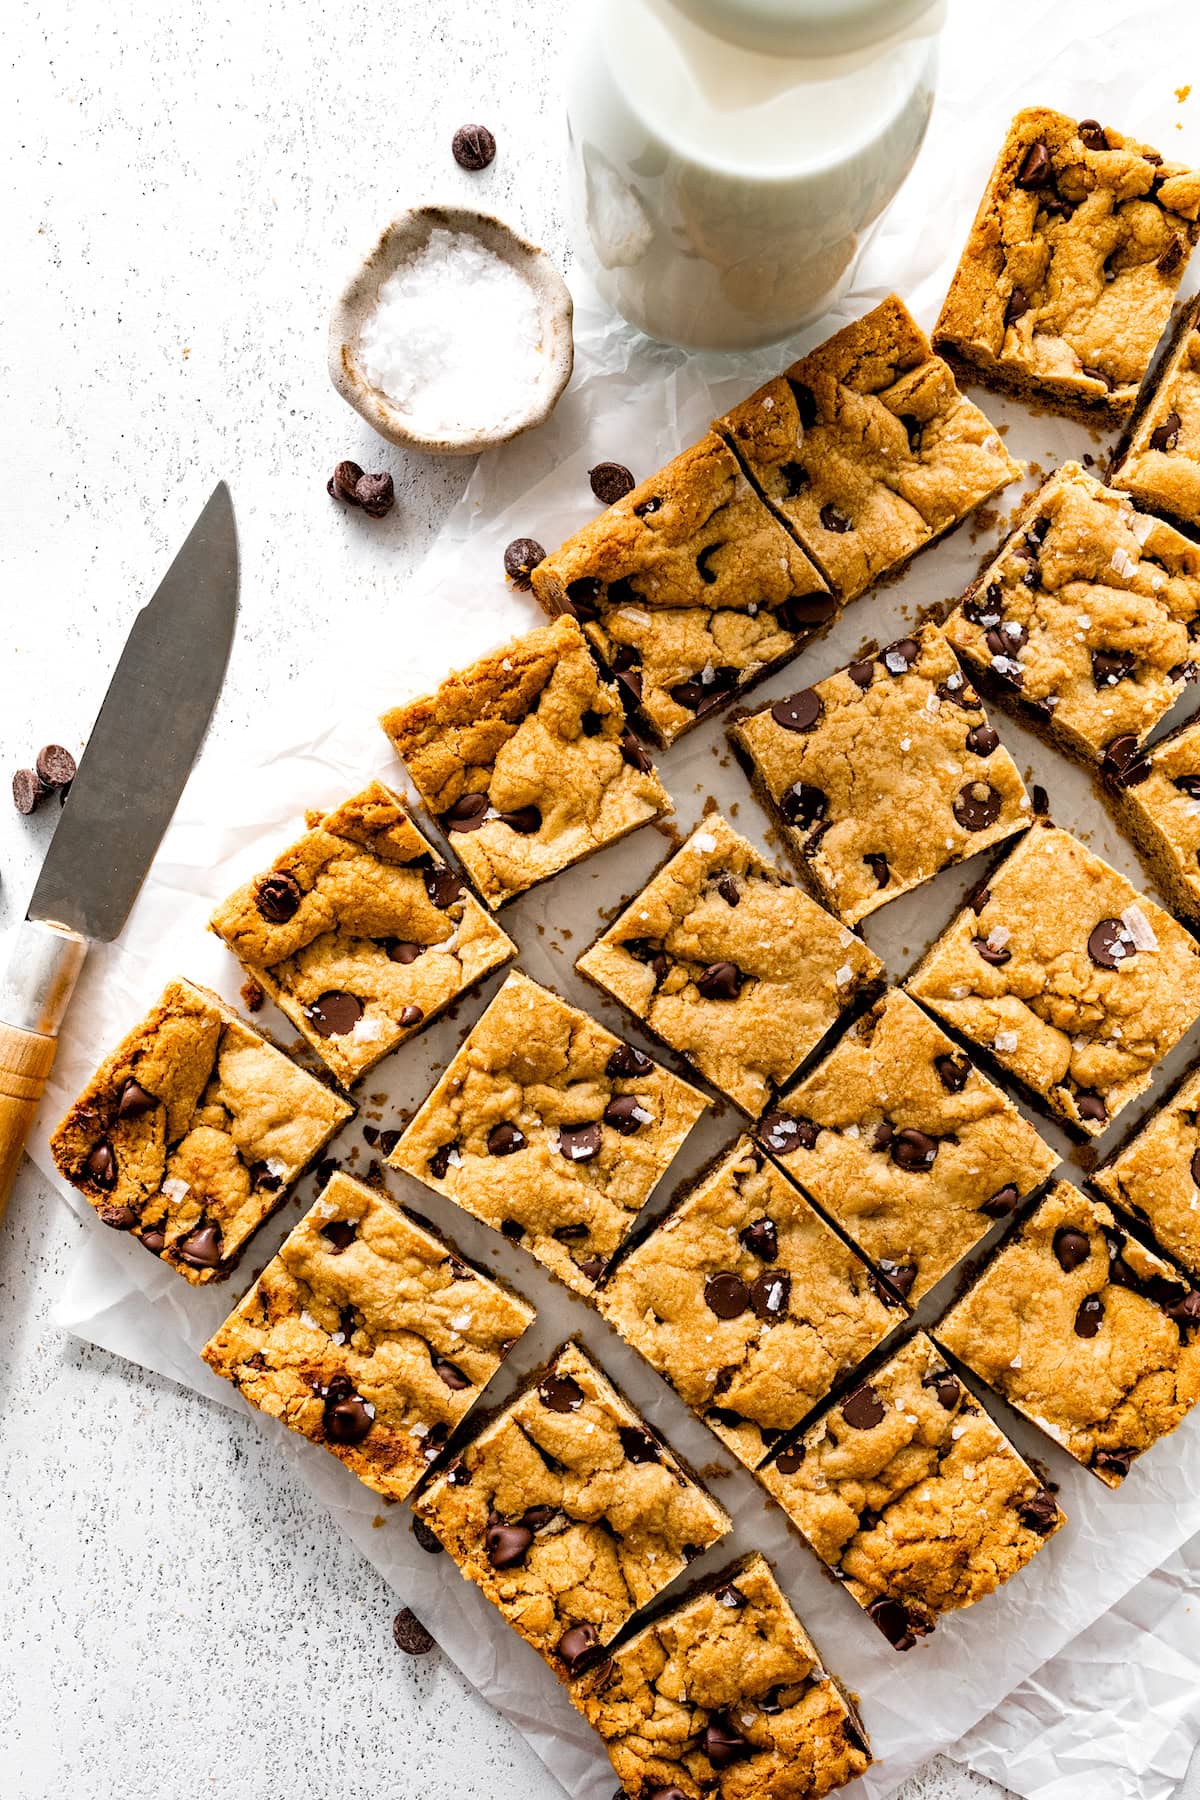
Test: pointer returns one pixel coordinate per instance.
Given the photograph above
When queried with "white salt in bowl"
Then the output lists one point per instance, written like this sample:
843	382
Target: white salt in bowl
454	335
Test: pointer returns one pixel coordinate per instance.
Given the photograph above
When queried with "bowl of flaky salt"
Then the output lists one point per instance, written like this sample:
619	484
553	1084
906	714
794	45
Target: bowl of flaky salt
454	335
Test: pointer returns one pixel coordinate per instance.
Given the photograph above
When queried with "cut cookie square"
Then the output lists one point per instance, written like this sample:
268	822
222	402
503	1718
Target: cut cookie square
550	1129
882	775
911	1496
906	1145
724	1698
730	965
1066	282
1155	795
747	1302
192	1131
526	761
1075	983
1155	1174
569	1512
368	1334
867	450
1088	621
1091	1336
360	933
688	589
1159	462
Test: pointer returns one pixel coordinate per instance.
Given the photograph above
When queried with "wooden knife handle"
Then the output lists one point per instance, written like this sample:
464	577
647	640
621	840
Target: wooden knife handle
26	1059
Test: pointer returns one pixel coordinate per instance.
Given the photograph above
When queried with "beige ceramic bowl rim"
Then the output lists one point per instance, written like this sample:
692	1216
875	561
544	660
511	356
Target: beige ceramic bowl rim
407	233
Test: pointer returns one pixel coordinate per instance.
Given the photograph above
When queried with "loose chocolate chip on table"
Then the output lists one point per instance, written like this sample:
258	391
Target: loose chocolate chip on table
579	1143
953	1072
782	1133
877	862
522	819
803	805
343	481
720	981
134	1101
1071	1247
1089	1317
101	1165
201	1249
575	1643
560	1394
504	1139
410	1635
1163	437
833	520
997	958
723	1743
473	147
622	1113
443	888
507	1545
627	1062
27	791
945	1385
376	494
334	1014
54	766
451	1374
1039	1511
726	1295
1091	134
1002	1203
912	1149
521	558
1109	944
277	898
118	1218
427	1539
468	813
769	1295
894	1622
638	1445
1123	761
1018	306
762	1240
610	482
863	1409
978	805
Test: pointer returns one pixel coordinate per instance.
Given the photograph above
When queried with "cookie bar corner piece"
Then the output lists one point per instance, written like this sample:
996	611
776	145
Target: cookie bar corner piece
727	1682
360	933
1155	796
369	1335
526	761
1159	460
1154	1174
867	450
190	1133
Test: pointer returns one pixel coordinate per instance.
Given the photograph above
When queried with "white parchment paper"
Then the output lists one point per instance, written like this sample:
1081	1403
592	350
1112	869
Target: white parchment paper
639	403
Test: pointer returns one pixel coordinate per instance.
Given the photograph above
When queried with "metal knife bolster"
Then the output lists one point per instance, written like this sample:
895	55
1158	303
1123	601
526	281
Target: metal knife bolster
42	971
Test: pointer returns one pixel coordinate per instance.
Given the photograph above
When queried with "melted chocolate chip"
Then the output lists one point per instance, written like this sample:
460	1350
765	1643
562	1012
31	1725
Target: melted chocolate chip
783	1134
1002	1203
628	1063
1113	1462
899	1276
1071	1247
863	1409
983	739
996	957
1039	1512
278	898
762	1240
401	950
795	478
1090	1105
894	1622
707	575
803	806
1091	134
645	508
720	981
560	1394
953	1072
347	1420
339	1234
334	1014
1109	944
1018	306
1089	1317
833	520
802	613
410	1015
101	1165
722	1742
806	403
134	1101
726	1295
622	1113
1166	436
862	673
1123	761
728	889
789	1460
574	1644
582	596
985	611
877	862
451	1374
1111	666
467	813
978	805
579	1143
507	1545
799	712
1172	257
638	1444
504	1139
899	657
154	1240
522	819
439	1162
633	752
913	1150
117	1218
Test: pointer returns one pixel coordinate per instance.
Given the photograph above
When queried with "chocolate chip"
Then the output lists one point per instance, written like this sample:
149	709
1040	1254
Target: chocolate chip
799	712
1185	1310
1123	762
1091	134
504	1139
898	658
427	1539
720	981
795	478
451	1374
439	1162
582	594
877	862
783	1134
117	1218
1071	1247
443	887
1090	1105
762	1240
55	766
706	691
339	1234
862	673
575	1643
1172	257
1111	666
803	805
644	508
342	483
726	1295
27	791
913	429
622	1113
201	1249
894	1622
638	1444
899	1276
833	520
401	951
1113	1462
804	612
507	1545
997	958
983	739
945	1385
769	1295
1089	1317
1105	380
1040	801
1166	435
334	1014
593	1267
347	1419
706	574
473	147
723	1743
522	819
560	1394
264	1178
410	1635
806	402
521	558
376	494
1109	944
610	482
1018	306
731	1595
978	805
467	814
579	1143
643	950
633	752
789	1460
1002	1203
101	1165
628	1063
277	898
882	1135
1039	1512
913	1150
863	1409
154	1240
134	1101
985	611
953	1072
410	1016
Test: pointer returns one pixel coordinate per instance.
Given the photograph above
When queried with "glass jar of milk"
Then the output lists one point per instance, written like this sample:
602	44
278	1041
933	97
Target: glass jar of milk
727	155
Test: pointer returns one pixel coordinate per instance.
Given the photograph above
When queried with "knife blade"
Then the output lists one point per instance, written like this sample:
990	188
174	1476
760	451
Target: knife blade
138	758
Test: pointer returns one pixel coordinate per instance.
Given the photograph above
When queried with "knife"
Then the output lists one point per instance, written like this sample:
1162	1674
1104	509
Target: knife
129	780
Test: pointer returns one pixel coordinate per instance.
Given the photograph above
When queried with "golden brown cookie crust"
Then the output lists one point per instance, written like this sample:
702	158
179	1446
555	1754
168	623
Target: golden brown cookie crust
1160	463
1156	798
1152	1176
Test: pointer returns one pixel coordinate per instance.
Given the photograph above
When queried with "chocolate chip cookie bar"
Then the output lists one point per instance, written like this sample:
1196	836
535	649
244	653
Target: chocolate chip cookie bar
1155	795
550	1129
867	450
909	1493
1155	1174
747	1302
882	775
730	965
724	1698
1066	282
526	761
906	1145
191	1132
1075	983
569	1512
688	589
1088	621
368	1334
1159	462
360	933
1085	1331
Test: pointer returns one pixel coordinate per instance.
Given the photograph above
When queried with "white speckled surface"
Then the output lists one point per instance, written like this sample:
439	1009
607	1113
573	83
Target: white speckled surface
187	187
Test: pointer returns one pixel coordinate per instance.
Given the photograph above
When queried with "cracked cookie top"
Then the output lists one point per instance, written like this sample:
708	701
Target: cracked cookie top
1091	1336
360	933
883	774
1089	617
526	761
569	1512
369	1335
1066	281
191	1132
747	1302
1073	981
912	1496
724	1696
550	1129
1160	464
867	450
914	1152
688	589
730	964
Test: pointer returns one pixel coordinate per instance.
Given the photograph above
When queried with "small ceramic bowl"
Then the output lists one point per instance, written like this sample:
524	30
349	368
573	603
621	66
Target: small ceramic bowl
405	237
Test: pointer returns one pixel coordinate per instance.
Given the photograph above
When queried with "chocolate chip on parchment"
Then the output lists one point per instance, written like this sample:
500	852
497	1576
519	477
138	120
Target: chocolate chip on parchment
504	1139
1163	437
628	1063
726	1295
610	482
863	1409
521	557
201	1249
277	898
55	766
720	981
1071	1247
410	1635
334	1014
27	791
1089	1317
579	1143
560	1394
473	147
